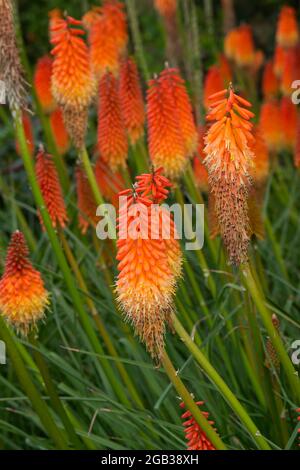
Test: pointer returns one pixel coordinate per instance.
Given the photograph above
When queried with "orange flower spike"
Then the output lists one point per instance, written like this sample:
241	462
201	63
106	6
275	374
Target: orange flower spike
287	34
289	121
28	130
72	81
213	82
245	53
59	131
230	43
291	69
48	181
166	7
197	439
166	144
146	283
108	37
172	81
270	125
270	84
131	99
85	201
42	83
23	297
153	185
228	159
112	140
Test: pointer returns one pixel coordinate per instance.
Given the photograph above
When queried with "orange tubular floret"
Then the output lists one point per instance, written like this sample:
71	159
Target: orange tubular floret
48	180
112	140
72	80
287	34
23	297
131	99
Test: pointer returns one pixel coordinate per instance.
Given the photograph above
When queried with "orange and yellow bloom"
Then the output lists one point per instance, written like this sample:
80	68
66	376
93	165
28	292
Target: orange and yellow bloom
287	34
23	297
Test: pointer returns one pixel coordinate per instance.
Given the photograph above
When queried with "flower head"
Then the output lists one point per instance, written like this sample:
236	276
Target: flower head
59	131
287	34
228	159
11	70
197	439
50	187
42	83
239	46
112	139
165	139
131	99
149	263
73	84
107	36
23	297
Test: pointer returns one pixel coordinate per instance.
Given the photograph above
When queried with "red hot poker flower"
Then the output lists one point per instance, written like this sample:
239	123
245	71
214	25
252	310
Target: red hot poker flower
42	83
153	185
50	187
131	99
112	140
23	297
59	131
197	439
287	34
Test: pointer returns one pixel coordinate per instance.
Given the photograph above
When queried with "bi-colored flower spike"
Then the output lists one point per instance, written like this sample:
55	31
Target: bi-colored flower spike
10	64
270	125
73	84
196	437
213	83
48	180
260	169
200	171
28	131
289	120
228	159
59	131
112	139
166	144
23	297
85	201
110	183
287	34
107	37
270	84
131	99
42	83
166	7
172	82
149	262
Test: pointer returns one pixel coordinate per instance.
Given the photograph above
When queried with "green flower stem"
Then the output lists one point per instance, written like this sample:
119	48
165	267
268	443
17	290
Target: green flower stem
190	404
29	388
71	285
137	39
53	395
100	325
221	385
276	248
260	302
